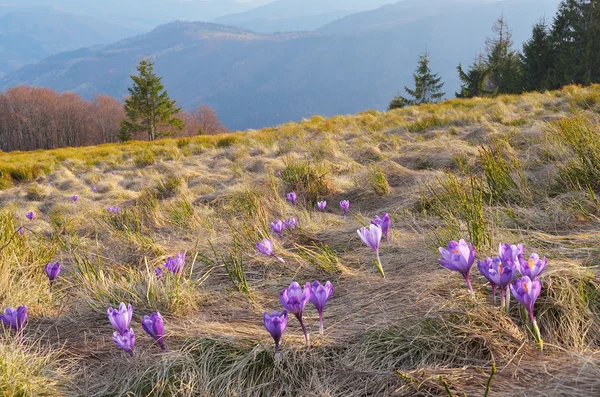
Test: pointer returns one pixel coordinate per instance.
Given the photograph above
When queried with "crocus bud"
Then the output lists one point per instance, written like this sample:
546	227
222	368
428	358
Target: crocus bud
294	299
120	318
345	205
125	340
275	324
155	327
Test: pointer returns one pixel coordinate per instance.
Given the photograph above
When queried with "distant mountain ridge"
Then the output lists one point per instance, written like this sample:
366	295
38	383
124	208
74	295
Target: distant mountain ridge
297	15
254	80
32	35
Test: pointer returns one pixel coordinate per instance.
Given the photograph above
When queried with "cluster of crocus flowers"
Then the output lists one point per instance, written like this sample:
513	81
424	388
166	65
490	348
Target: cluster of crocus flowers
501	271
175	265
265	247
15	319
294	300
321	205
345	205
52	271
372	237
459	257
114	209
383	222
291	196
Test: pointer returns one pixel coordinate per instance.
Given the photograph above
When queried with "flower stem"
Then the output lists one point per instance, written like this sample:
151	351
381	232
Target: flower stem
507	298
321	322
469	285
538	336
379	266
299	317
494	287
502	299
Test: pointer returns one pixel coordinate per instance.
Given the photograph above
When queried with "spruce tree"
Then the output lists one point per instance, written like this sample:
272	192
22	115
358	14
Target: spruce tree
502	60
427	86
149	108
576	37
537	59
474	81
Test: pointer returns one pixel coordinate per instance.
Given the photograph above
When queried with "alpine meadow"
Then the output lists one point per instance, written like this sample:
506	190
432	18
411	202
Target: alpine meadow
448	245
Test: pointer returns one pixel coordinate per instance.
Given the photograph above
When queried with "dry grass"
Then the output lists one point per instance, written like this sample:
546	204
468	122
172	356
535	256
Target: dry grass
514	168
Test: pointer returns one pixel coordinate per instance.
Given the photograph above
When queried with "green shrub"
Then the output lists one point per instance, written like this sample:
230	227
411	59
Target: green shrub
144	159
504	179
308	179
578	139
378	182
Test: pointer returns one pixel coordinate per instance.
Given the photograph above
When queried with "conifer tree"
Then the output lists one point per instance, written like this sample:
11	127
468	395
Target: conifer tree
474	80
427	86
149	108
537	59
502	60
576	37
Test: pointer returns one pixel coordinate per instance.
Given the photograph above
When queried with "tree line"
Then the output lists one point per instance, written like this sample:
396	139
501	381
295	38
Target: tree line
34	118
566	51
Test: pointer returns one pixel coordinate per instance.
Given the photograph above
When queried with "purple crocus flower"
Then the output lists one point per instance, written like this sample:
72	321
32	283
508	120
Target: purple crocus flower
345	205
291	197
52	271
509	252
125	340
74	198
532	267
120	318
158	272
17	216
276	323
526	292
175	265
266	247
30	215
291	223
499	273
459	257
294	299
155	327
278	227
21	230
484	266
383	222
15	318
319	297
94	189
322	205
114	210
372	237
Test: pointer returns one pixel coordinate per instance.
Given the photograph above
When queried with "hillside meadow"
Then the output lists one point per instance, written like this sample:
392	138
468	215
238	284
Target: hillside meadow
516	169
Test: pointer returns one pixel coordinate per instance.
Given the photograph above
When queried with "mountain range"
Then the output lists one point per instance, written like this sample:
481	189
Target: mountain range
31	35
258	79
297	15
